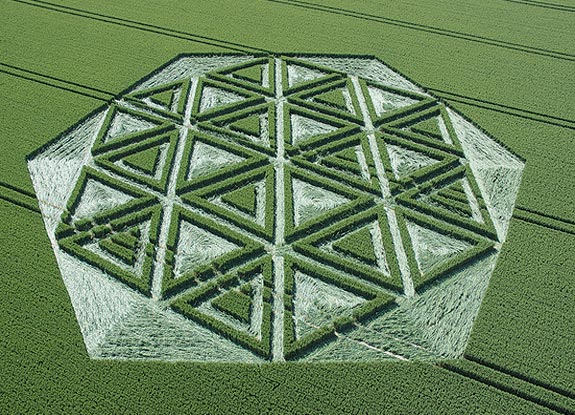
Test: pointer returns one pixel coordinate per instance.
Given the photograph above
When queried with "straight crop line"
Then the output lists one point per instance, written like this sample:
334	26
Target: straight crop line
552	6
563	392
430	29
52	84
507	389
507	109
133	24
18	197
534	217
53	78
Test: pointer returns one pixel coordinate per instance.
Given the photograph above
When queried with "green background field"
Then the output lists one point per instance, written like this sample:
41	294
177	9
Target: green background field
507	64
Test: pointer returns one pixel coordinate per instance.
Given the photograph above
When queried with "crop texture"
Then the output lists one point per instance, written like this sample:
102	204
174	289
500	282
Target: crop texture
267	208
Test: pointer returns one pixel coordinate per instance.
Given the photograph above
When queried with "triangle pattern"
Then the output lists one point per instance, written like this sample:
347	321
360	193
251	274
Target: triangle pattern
244	199
314	201
237	306
299	75
430	198
305	130
361	245
386	103
252	127
199	248
96	195
358	244
336	98
311	201
428	127
207	159
214	98
437	248
257	75
123	126
347	160
147	162
241	199
123	249
432	123
405	161
123	245
432	248
168	100
249	125
318	303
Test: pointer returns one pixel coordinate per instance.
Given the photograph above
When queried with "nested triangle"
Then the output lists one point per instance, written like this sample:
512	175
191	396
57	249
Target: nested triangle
304	129
315	200
361	244
335	98
199	248
387	103
214	98
246	199
432	248
236	305
347	160
123	126
433	123
437	248
298	75
358	244
250	125
96	195
319	303
123	248
253	127
123	245
168	100
311	201
147	162
257	75
437	198
207	159
406	161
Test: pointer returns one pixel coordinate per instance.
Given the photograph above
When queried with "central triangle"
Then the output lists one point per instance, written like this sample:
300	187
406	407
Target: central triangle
123	245
163	98
334	98
251	73
250	125
235	303
358	244
428	127
243	199
145	160
310	201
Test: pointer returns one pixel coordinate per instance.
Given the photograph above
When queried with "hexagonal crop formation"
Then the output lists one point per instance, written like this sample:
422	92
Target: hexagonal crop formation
252	208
